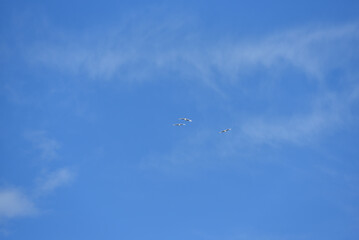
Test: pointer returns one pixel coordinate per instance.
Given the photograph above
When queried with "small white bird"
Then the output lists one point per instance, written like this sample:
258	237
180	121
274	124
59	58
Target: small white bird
179	124
225	130
185	119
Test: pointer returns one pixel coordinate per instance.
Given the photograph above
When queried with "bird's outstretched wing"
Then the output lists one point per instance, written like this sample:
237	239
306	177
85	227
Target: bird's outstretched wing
185	119
179	124
225	130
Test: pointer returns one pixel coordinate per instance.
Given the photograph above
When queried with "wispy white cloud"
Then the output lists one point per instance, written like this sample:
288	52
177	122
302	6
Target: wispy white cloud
205	148
151	48
328	113
138	49
314	50
55	179
117	51
14	203
48	147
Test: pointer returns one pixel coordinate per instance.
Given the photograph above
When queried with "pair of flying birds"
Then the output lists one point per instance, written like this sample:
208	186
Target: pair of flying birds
182	124
189	120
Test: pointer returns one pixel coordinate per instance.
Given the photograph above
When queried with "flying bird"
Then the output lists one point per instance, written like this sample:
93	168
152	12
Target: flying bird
185	119
225	130
179	124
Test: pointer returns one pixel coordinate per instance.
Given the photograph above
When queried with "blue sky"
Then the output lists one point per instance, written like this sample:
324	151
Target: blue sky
89	93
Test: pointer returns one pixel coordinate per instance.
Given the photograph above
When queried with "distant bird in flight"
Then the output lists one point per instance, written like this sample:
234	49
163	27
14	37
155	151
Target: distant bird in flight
185	119
179	124
225	130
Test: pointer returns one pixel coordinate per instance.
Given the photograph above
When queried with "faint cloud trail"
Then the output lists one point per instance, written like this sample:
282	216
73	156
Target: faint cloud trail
55	179
143	53
138	50
14	203
48	147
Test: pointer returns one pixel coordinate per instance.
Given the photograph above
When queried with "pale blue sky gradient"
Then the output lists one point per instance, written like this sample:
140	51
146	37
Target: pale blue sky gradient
89	93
